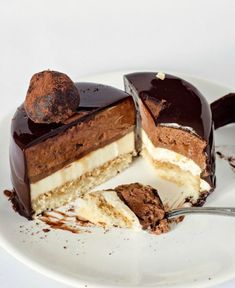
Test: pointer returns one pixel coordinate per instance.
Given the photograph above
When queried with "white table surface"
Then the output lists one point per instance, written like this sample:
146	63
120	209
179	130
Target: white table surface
88	37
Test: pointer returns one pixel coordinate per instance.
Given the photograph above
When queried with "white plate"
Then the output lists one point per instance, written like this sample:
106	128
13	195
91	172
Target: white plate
198	253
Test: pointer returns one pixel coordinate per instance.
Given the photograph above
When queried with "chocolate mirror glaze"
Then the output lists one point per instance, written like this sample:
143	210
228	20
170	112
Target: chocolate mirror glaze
26	133
223	110
183	104
93	98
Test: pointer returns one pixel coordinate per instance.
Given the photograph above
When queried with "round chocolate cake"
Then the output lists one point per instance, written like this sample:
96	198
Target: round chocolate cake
67	149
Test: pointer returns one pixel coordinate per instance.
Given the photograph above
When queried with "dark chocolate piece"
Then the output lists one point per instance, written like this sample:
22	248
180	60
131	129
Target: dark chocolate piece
26	133
180	103
223	110
52	97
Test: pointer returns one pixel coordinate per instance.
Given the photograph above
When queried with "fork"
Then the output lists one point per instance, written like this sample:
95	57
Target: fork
224	211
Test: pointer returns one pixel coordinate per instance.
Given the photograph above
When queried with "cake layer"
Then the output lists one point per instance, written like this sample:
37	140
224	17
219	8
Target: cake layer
163	155
54	153
106	209
85	164
167	155
179	169
72	189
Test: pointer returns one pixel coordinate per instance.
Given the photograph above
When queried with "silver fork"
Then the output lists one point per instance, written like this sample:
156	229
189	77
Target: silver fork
225	211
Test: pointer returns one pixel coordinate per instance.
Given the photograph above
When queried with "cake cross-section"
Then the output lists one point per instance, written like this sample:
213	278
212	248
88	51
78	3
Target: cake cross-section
69	137
176	131
52	163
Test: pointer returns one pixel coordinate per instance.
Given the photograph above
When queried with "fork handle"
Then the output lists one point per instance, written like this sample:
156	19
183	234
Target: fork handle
225	211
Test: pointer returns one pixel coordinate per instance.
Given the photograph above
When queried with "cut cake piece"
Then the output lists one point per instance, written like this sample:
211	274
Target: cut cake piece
175	129
133	206
51	164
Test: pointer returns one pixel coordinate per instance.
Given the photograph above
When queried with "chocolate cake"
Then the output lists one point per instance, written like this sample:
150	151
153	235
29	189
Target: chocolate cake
175	129
68	138
132	206
51	162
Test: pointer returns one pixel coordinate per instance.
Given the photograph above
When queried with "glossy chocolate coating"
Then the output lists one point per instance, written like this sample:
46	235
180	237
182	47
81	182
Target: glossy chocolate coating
26	133
223	110
183	104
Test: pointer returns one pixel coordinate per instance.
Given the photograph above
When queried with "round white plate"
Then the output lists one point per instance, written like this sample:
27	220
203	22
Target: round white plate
199	252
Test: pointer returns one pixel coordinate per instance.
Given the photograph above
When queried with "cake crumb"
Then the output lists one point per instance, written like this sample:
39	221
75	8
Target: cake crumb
7	193
46	230
230	159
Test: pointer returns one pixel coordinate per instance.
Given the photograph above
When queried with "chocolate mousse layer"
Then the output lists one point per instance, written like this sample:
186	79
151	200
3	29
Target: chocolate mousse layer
175	116
88	135
37	150
145	203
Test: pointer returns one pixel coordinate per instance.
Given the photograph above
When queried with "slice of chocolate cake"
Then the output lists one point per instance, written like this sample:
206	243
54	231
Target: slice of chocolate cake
175	129
62	156
133	206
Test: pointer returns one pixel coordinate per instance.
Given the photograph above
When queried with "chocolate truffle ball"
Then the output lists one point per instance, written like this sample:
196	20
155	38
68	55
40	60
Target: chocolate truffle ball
52	97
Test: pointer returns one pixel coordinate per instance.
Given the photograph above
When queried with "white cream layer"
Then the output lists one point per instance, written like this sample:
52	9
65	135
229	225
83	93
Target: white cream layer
112	212
166	155
89	162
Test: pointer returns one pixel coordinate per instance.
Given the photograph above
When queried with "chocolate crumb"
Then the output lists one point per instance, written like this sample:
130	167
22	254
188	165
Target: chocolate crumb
46	230
219	154
72	208
7	193
230	159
